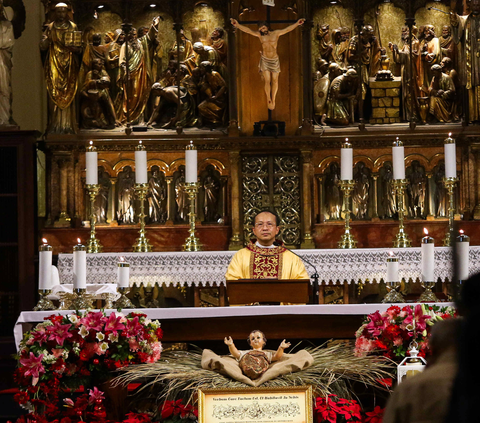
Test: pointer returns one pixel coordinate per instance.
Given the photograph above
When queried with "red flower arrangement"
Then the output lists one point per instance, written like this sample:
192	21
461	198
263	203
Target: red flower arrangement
390	333
176	411
64	353
333	409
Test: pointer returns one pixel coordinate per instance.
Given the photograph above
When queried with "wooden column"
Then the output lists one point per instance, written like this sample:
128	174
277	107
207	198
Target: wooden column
233	129
307	126
307	241
236	202
63	220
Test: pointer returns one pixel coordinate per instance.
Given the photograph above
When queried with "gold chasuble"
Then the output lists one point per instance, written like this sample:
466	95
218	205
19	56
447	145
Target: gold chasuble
254	262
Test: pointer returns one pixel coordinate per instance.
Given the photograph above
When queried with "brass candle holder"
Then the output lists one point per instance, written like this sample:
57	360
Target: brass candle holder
142	245
393	296
401	240
81	300
450	184
192	243
428	296
93	244
347	240
44	303
123	301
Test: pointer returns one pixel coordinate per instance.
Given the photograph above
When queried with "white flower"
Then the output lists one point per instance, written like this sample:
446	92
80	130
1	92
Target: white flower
147	321
113	337
155	323
83	331
143	343
100	336
73	318
103	346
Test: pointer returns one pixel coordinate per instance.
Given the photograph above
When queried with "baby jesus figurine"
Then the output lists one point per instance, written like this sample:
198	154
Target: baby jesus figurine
256	361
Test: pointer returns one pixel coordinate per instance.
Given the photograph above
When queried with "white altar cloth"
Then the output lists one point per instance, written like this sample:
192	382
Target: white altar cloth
209	267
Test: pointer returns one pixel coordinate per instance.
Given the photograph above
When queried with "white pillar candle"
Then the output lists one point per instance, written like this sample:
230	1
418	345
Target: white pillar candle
45	266
392	269
398	154
346	161
450	157
55	276
462	251
191	163
428	260
123	274
91	160
140	164
79	266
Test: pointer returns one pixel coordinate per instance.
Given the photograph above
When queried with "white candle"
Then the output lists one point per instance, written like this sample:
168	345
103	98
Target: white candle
91	160
398	154
123	274
450	157
140	164
191	163
392	269
462	249
79	266
55	276
428	260
346	161
45	266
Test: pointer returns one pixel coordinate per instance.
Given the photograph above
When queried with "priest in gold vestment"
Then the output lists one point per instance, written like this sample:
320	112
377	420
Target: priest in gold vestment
263	259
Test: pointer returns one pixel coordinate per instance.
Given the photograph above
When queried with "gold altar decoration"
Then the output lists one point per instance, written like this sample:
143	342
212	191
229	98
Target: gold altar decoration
401	240
347	240
142	245
44	303
192	243
81	300
93	244
450	184
123	301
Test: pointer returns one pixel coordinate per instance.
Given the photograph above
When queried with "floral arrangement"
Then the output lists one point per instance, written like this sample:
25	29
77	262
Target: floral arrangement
391	332
176	411
333	409
64	353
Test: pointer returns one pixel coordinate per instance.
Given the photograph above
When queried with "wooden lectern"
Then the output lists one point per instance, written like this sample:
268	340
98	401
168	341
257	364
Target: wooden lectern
248	291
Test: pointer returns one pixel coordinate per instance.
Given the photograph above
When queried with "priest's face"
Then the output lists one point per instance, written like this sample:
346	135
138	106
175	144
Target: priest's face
265	228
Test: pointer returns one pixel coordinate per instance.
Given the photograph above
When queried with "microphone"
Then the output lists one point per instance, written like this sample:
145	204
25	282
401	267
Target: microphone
315	276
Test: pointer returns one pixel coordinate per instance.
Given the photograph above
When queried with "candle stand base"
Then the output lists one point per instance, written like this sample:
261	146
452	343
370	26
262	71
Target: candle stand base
66	299
393	296
428	296
44	303
108	297
93	244
82	300
123	301
142	245
192	243
401	240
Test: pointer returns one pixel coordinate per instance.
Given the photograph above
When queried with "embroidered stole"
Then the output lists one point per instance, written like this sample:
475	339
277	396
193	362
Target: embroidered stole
266	263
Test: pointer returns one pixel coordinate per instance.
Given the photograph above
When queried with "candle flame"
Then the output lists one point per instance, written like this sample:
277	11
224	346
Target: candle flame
91	142
44	240
449	134
122	259
346	139
461	232
397	138
140	142
390	253
78	241
425	231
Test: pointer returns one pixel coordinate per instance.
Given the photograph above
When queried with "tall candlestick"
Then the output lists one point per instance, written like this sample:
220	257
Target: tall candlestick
140	164
392	282
398	154
392	269
79	266
428	261
123	275
450	157
462	251
191	163
346	161
45	266
91	160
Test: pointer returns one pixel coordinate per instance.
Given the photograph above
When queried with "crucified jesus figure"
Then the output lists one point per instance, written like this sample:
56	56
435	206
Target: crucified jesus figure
269	65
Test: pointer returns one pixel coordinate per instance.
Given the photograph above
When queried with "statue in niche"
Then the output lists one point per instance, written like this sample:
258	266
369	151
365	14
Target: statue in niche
320	87
7	40
101	200
97	108
466	31
333	198
108	37
416	190
442	95
214	91
440	191
389	198
219	44
430	54
136	88
408	73
186	55
181	196
341	98
61	72
112	64
360	192
339	52
447	43
126	194
169	75
209	54
325	46
93	50
447	68
157	196
211	187
269	65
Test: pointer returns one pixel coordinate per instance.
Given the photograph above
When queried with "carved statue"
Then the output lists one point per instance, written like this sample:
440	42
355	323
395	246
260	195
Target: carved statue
126	192
360	192
332	192
442	95
97	108
136	86
211	187
447	43
341	98
389	199
416	190
157	196
340	48
219	44
447	68
269	65
181	196
430	54
61	72
214	90
93	50
320	87
325	46
112	65
465	30
186	56
440	191
7	41
101	200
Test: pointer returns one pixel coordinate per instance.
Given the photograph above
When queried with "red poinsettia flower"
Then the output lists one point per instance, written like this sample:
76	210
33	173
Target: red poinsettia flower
375	416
